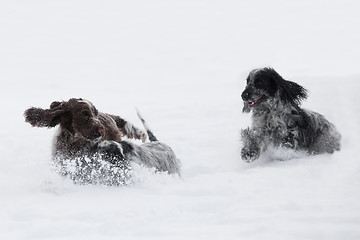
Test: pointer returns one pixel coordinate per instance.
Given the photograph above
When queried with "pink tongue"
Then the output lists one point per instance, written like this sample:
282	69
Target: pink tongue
255	101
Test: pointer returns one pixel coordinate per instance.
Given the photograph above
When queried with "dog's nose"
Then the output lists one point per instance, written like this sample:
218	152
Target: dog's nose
245	95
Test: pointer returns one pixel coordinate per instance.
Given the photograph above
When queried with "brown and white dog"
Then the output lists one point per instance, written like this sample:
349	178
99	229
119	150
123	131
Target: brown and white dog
81	126
89	147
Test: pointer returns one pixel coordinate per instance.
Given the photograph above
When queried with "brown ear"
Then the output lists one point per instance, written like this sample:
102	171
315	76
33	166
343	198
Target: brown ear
38	117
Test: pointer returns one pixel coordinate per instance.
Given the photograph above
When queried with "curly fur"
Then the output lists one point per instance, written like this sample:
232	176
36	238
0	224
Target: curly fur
81	126
153	154
89	147
278	119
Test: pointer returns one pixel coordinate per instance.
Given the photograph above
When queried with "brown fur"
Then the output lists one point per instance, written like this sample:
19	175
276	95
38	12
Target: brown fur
81	124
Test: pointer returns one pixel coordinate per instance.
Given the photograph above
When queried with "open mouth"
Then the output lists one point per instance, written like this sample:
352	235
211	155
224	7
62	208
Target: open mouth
251	103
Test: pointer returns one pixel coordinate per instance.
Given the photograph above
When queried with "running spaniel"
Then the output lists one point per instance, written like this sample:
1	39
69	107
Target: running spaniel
81	126
278	119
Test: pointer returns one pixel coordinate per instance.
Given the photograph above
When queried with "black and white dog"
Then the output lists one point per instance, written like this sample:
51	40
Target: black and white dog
278	120
153	154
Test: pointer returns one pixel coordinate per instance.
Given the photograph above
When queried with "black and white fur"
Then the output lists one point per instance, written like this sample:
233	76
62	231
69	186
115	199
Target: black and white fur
153	154
278	120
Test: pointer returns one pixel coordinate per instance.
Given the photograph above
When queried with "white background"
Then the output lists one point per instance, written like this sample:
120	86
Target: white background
184	64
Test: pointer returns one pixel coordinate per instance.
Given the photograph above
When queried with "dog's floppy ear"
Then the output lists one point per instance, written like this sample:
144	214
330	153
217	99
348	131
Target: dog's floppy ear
292	92
272	80
39	117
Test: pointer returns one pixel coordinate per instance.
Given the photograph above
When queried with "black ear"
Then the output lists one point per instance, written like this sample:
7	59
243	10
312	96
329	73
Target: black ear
291	92
38	117
268	79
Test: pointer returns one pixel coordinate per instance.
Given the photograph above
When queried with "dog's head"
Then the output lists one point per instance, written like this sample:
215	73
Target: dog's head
265	84
78	116
112	151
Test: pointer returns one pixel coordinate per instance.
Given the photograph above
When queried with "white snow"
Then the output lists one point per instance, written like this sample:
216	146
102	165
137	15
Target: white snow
184	65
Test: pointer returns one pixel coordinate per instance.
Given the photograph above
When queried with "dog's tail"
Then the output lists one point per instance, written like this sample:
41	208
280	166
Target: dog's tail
152	137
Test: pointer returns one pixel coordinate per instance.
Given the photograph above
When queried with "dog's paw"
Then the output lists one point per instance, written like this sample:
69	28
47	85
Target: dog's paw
143	136
139	134
134	132
250	154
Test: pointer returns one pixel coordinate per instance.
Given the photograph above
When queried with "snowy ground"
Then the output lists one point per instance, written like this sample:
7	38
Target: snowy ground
184	65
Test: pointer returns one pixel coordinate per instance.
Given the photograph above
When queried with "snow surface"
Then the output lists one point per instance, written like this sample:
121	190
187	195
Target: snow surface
183	64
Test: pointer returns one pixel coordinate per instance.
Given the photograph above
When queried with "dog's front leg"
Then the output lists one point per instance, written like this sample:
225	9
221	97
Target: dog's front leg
251	149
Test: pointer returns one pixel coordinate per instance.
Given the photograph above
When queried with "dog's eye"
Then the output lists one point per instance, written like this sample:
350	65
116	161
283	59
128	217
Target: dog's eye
85	114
